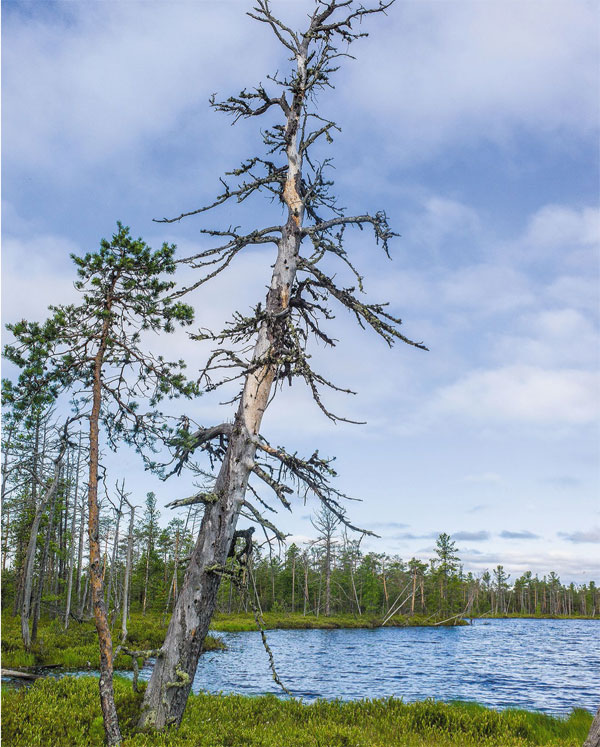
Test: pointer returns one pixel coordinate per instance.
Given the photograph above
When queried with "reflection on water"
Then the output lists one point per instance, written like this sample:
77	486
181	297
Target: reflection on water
545	665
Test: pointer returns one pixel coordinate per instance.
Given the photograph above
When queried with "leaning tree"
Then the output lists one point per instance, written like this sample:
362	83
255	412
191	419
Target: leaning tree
269	345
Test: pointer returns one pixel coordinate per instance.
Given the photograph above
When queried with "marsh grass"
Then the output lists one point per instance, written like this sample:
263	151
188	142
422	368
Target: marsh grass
67	712
286	621
77	647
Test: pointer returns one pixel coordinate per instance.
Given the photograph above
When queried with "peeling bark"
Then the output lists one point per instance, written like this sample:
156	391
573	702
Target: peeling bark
170	684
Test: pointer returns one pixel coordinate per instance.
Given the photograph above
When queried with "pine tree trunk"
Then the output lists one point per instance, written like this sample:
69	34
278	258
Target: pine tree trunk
107	698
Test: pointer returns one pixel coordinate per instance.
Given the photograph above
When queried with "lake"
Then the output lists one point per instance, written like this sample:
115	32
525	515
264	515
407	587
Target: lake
544	665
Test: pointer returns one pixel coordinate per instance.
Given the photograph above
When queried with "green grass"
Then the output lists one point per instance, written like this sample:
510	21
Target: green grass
286	621
530	616
77	647
57	713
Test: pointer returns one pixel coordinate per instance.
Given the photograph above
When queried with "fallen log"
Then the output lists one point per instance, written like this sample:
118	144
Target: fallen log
22	675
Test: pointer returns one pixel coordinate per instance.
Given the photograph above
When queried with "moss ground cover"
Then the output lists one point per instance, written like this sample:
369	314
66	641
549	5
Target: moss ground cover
53	713
77	647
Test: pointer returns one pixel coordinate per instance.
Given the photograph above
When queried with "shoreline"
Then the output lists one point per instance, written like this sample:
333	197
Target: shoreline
238	623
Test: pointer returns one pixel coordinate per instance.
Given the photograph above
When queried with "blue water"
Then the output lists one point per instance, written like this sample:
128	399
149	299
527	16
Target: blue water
545	665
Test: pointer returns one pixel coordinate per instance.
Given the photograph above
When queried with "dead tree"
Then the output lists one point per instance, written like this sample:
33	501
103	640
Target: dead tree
326	522
269	346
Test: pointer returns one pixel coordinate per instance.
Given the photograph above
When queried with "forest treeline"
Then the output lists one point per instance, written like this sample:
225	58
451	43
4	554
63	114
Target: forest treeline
143	562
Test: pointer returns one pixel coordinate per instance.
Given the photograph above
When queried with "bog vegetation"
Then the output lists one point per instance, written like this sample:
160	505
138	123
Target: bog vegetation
67	712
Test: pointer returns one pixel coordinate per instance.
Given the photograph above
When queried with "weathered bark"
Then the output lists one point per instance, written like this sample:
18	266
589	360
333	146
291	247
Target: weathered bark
72	548
113	560
593	738
6	512
37	605
32	545
19	602
304	610
125	612
80	601
5	529
107	698
170	684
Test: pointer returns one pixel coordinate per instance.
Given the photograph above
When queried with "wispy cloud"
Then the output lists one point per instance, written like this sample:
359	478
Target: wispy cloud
523	394
590	535
507	534
386	525
471	536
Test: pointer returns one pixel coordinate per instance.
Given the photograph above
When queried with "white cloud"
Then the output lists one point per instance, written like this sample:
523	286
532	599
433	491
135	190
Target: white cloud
105	77
554	337
442	218
473	72
27	294
568	564
487	288
522	394
562	227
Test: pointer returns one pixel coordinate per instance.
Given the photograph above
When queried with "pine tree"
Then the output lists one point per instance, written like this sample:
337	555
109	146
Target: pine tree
92	353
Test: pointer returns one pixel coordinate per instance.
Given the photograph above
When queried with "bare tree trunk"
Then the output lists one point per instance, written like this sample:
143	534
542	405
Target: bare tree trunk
80	554
40	586
6	513
32	545
5	530
72	550
305	584
145	596
173	585
328	577
19	602
293	583
125	612
170	684
593	738
113	560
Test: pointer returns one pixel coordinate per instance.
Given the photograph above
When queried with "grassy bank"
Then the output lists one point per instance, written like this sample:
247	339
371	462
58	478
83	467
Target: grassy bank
67	712
286	621
523	616
77	647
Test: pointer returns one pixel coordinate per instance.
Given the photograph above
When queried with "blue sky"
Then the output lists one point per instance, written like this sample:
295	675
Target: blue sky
474	124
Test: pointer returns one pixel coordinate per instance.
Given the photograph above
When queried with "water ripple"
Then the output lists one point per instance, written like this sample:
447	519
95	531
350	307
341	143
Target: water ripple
546	665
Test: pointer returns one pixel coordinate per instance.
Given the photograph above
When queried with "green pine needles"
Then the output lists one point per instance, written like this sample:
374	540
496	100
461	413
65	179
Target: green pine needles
125	297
